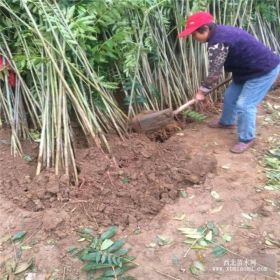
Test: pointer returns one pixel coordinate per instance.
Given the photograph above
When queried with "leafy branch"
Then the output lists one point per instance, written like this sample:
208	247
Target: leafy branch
104	256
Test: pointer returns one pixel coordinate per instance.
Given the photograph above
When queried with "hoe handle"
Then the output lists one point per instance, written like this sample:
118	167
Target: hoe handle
191	102
184	106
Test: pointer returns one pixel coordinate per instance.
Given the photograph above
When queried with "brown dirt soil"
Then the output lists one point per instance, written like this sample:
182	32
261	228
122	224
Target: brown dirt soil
139	190
135	185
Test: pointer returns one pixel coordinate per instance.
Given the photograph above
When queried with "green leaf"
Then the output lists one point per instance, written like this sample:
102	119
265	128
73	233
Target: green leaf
27	157
94	266
119	260
219	251
18	235
110	259
94	244
215	231
210	225
203	243
194	115
106	244
109	233
89	257
116	246
128	278
98	257
103	258
128	259
74	250
121	252
202	229
115	260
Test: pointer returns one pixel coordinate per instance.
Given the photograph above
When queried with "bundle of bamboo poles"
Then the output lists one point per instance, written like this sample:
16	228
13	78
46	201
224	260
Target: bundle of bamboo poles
71	59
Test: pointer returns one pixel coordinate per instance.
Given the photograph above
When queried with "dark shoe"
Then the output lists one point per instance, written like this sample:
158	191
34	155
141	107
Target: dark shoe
217	124
241	147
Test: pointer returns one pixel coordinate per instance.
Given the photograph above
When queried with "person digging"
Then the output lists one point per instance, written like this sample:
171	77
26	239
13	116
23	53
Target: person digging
254	69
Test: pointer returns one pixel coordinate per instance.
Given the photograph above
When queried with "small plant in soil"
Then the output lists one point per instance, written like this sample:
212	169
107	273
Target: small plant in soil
103	257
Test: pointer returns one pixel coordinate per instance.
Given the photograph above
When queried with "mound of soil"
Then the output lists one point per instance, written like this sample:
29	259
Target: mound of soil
134	185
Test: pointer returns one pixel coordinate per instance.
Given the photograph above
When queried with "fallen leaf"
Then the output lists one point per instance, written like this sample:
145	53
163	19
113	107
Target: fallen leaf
272	188
163	240
219	251
180	218
245	226
226	166
215	195
217	209
21	267
273	242
192	233
227	237
152	245
24	248
209	235
183	194
246	216
31	276
18	235
267	242
253	215
175	260
196	268
81	239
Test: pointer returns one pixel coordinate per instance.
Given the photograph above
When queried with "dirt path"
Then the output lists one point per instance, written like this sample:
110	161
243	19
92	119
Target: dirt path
51	217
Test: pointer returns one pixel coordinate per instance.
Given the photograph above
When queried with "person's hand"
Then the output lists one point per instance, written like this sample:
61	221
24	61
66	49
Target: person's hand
199	96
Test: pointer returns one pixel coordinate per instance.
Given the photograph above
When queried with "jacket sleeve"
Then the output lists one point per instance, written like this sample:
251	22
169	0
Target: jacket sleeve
217	57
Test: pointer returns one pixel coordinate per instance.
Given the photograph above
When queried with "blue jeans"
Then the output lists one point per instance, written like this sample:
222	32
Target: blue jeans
241	100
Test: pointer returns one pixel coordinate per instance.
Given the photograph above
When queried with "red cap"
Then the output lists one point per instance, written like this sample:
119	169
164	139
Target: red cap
195	21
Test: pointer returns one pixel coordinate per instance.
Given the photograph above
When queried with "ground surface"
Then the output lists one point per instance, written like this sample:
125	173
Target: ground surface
150	189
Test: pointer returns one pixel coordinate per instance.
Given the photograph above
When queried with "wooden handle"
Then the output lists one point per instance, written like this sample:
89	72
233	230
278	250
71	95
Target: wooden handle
191	102
184	106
